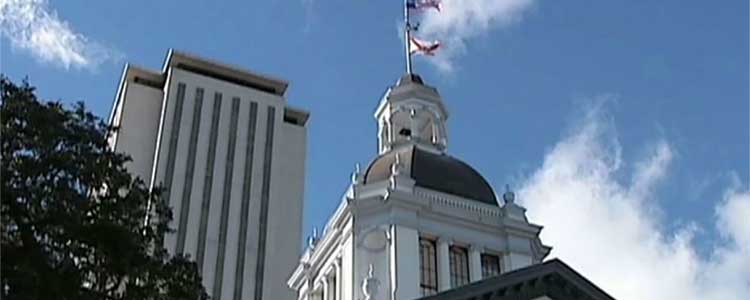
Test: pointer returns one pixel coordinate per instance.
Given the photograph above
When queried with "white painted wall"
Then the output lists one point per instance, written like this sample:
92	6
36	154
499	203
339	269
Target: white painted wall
180	164
348	284
201	157
146	112
285	206
406	212
138	119
214	215
412	216
517	261
407	262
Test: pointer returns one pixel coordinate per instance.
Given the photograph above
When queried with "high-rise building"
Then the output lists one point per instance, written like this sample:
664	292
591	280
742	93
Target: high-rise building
230	155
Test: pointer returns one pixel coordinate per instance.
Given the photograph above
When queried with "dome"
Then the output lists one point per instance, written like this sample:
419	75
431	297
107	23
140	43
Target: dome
439	172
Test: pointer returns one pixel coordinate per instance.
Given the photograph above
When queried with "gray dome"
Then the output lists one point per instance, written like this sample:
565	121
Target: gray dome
439	172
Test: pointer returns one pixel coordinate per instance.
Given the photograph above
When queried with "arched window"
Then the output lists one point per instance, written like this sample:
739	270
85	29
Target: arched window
385	138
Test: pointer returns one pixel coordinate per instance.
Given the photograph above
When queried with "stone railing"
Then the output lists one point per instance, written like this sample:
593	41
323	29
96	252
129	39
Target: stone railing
464	204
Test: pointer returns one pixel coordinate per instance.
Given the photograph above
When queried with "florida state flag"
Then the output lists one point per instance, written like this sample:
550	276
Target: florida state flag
417	46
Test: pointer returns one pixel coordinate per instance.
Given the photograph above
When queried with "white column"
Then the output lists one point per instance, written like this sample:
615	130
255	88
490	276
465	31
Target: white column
308	289
475	263
443	265
303	293
324	281
405	272
347	268
337	273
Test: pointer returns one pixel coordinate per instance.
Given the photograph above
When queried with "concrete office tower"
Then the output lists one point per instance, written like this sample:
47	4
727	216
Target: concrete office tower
231	155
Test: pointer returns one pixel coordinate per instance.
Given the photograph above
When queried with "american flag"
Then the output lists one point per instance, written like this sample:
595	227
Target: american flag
424	4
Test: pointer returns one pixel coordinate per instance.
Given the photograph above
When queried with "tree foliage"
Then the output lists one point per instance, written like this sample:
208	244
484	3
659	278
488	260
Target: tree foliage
73	217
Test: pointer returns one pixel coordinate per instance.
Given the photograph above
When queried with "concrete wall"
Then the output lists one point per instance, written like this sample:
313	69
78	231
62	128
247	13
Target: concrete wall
233	171
348	283
137	116
287	192
405	250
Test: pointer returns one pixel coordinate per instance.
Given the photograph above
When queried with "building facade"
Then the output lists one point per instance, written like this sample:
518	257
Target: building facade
417	221
230	155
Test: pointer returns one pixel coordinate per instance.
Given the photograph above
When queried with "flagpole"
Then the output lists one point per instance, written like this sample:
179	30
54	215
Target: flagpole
407	37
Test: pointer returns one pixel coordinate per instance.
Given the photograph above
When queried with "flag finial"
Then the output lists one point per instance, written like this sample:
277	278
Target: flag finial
413	45
407	37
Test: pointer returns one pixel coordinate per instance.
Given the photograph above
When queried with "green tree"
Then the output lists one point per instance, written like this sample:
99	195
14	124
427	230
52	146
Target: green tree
73	216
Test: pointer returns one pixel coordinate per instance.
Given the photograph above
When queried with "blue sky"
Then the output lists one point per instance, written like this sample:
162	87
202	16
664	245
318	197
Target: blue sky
659	86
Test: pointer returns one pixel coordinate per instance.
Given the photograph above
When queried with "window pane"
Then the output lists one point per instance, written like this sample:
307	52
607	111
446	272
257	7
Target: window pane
490	265
459	266
427	267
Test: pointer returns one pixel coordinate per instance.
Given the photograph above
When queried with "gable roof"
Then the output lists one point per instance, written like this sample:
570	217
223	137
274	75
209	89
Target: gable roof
553	279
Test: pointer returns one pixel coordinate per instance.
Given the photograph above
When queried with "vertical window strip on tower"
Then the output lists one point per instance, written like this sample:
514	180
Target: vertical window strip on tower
208	181
187	186
226	194
428	267
459	266
265	194
246	188
173	134
490	265
173	137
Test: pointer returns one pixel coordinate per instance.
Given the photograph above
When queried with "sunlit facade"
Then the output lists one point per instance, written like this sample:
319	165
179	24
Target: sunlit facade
230	155
416	221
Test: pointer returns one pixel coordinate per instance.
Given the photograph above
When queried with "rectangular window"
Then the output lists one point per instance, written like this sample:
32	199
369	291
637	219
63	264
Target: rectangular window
427	267
490	265
459	265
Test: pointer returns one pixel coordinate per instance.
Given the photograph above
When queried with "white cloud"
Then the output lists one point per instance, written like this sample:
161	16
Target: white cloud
309	7
32	26
611	230
461	20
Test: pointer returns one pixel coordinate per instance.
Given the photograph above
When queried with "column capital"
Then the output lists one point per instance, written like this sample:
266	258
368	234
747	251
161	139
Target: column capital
476	248
444	240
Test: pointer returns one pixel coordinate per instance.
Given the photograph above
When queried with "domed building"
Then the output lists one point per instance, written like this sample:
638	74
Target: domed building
416	221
